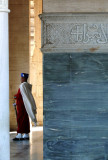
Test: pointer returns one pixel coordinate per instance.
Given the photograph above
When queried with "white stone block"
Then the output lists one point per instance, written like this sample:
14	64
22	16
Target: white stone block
67	33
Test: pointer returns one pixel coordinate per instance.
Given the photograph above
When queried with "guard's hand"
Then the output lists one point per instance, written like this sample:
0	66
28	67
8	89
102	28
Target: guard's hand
14	104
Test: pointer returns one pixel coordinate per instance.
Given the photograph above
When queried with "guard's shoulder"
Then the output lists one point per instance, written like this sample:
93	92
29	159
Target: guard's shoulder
23	84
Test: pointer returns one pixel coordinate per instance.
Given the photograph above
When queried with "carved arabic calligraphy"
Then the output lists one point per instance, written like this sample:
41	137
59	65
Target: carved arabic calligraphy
77	33
86	33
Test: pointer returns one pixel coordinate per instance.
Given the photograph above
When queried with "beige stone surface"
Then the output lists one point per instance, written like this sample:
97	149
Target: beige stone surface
13	121
19	24
18	11
18	48
18	2
75	5
36	78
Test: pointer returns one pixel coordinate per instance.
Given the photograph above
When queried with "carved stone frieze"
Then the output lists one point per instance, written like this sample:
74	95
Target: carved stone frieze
74	32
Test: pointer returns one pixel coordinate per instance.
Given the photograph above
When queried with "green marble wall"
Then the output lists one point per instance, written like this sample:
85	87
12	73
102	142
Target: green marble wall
75	106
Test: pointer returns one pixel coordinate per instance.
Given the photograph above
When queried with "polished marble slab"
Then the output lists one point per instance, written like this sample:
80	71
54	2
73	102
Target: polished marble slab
76	106
27	150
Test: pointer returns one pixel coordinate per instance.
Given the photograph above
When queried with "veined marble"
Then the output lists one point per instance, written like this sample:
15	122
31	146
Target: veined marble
75	106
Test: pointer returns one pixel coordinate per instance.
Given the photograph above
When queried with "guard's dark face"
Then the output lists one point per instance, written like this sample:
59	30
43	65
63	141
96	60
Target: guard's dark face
23	79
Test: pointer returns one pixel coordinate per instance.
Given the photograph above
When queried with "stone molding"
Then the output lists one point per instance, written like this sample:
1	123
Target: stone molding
4	6
67	33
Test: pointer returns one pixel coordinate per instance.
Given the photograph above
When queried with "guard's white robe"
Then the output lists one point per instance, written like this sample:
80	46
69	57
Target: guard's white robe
29	102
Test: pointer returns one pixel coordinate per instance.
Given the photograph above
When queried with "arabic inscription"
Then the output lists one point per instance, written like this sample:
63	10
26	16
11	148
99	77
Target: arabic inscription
77	33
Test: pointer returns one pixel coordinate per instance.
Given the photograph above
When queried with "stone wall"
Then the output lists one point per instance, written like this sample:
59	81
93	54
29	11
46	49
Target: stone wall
18	47
75	6
75	106
36	68
75	79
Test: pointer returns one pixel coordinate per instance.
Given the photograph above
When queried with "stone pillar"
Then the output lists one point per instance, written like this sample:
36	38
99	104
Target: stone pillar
75	86
36	69
4	82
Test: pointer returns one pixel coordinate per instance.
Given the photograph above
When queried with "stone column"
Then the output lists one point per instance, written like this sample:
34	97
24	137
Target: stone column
75	85
4	82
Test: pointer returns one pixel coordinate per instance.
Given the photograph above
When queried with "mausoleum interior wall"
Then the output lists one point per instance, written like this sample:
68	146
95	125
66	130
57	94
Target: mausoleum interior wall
18	48
21	59
75	6
36	68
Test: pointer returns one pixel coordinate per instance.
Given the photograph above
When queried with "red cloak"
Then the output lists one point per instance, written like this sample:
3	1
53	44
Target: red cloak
22	116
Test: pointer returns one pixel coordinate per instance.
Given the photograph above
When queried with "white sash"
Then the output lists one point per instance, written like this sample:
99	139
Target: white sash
29	102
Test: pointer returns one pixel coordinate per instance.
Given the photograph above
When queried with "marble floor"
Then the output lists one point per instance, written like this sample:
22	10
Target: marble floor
27	150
